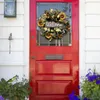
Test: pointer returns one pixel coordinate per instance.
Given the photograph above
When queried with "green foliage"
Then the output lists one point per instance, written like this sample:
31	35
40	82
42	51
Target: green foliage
4	88
90	88
14	90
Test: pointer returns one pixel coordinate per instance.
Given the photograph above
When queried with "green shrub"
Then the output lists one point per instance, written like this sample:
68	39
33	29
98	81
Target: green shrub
12	89
91	86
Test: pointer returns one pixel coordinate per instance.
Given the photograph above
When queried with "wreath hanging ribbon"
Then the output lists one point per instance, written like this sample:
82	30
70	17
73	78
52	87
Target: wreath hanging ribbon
53	24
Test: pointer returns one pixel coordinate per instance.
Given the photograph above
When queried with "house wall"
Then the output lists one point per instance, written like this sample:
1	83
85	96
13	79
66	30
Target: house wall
17	62
89	35
92	38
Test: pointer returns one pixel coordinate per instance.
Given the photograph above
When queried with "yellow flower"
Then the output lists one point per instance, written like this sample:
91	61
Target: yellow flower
53	16
48	35
62	16
40	23
52	30
43	16
51	10
45	29
47	15
48	29
58	30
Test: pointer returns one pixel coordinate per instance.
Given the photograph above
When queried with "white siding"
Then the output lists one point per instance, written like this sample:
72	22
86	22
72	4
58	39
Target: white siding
92	66
15	58
89	36
18	21
92	1
92	45
17	62
16	45
5	31
92	20
93	8
92	34
10	71
82	37
92	57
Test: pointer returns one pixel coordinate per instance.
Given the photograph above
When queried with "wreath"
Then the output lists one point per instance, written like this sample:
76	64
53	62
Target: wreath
53	24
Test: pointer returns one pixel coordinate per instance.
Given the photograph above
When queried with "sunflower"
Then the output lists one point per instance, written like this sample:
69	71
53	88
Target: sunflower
41	23
52	30
45	29
62	16
47	15
51	10
49	36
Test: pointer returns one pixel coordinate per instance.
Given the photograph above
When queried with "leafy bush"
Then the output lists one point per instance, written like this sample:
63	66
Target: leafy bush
90	87
14	90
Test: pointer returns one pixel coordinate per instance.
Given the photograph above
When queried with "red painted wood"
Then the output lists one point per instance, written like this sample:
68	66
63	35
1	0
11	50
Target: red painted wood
59	68
54	79
56	0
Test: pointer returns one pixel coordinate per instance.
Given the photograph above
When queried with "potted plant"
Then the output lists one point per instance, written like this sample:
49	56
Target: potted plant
90	87
13	89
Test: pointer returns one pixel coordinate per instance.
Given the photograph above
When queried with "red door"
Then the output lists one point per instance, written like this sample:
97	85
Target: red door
54	57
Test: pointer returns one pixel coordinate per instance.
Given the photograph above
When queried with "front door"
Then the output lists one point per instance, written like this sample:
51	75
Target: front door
54	49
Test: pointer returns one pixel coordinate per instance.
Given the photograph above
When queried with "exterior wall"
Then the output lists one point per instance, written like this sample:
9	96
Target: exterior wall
89	35
16	63
92	38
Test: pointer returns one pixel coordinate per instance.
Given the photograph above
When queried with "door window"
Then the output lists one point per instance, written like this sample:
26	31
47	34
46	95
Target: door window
54	24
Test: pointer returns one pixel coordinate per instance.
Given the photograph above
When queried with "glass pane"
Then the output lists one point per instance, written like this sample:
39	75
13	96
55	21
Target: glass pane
54	24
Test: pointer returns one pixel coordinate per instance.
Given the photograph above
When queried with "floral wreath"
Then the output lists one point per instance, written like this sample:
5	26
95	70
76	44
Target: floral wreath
53	24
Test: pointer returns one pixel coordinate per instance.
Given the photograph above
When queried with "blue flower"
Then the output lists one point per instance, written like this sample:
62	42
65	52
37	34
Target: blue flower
86	98
76	98
72	96
91	78
87	75
97	81
79	87
98	76
1	98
